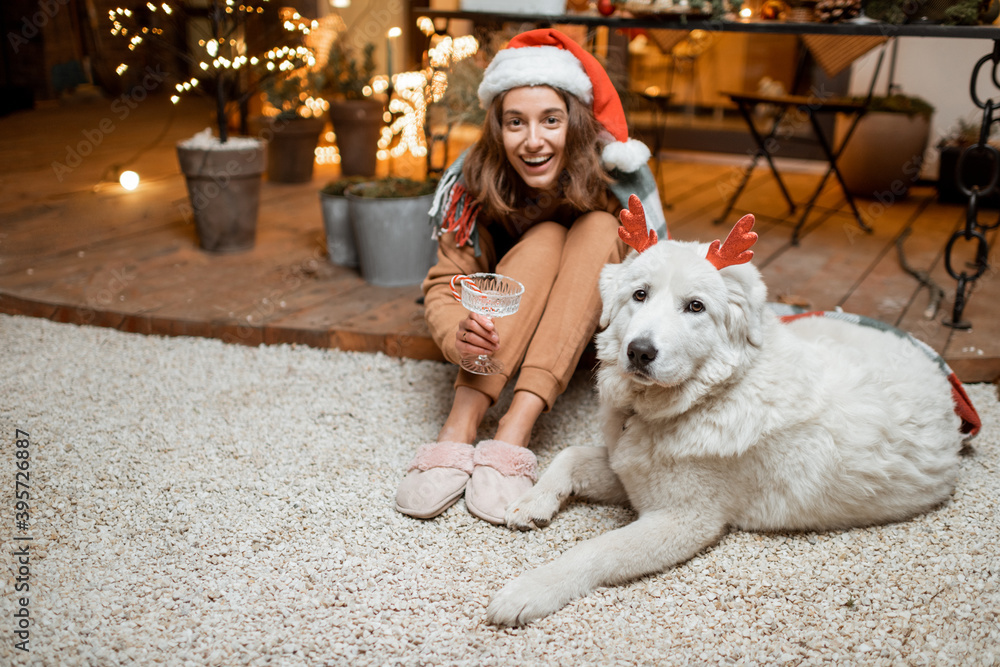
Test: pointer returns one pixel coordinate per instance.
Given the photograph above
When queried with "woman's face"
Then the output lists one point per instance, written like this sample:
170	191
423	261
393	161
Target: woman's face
534	121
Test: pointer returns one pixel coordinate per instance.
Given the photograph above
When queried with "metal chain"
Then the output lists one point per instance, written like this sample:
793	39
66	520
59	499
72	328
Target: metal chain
974	229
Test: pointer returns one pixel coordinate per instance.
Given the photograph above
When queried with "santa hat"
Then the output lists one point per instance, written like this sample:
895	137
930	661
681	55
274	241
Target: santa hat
547	57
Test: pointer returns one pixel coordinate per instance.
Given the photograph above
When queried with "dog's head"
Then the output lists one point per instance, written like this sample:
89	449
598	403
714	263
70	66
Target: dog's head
672	318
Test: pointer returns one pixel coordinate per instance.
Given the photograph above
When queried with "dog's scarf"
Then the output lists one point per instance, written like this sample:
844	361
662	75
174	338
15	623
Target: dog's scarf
963	405
455	210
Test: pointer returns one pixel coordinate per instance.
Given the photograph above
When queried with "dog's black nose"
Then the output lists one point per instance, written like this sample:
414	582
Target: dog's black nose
641	352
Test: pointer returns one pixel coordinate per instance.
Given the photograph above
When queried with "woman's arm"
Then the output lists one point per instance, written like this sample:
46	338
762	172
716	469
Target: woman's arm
445	314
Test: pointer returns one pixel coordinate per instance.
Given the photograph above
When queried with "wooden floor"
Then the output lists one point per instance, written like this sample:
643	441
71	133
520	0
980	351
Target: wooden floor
74	249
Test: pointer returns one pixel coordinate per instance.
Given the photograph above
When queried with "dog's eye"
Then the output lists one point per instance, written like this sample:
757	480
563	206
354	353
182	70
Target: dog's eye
639	295
695	306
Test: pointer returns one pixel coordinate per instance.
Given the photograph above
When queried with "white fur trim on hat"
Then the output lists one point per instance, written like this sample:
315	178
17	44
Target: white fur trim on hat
625	156
535	66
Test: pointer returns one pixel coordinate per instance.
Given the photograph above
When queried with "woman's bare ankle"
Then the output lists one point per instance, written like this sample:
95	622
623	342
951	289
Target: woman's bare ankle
462	435
515	427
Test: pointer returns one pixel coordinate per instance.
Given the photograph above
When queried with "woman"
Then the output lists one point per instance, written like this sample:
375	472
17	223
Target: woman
536	198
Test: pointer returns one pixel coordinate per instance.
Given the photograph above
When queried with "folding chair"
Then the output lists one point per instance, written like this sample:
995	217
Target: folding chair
813	107
658	104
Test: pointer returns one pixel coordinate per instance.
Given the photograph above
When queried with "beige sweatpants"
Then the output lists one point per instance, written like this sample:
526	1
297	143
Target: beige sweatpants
559	268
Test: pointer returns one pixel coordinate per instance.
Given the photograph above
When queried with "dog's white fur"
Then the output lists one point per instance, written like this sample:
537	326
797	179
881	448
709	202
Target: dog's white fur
739	422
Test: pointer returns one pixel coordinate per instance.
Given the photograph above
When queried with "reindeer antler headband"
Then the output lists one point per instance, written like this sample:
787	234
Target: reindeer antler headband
735	250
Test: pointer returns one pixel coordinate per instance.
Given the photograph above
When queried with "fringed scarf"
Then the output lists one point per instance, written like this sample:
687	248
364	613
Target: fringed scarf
454	209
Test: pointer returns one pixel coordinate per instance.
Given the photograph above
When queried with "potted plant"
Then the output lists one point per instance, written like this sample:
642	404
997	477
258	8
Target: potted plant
801	11
389	220
976	165
389	216
884	155
223	173
294	112
949	12
340	244
356	116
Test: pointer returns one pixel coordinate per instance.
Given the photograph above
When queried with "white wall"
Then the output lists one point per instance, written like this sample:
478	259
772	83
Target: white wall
938	70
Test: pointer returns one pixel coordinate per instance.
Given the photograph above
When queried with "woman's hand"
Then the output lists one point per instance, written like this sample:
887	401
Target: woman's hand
476	335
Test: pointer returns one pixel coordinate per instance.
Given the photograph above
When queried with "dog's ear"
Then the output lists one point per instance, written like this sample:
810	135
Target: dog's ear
609	283
747	295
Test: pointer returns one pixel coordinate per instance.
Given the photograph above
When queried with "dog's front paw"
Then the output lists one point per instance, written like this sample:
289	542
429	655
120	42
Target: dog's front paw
528	598
534	509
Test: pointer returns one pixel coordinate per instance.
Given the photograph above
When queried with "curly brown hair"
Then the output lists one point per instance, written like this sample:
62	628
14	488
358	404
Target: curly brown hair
497	187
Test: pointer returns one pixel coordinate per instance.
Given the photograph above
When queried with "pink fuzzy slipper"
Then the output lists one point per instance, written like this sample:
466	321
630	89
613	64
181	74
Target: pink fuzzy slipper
502	473
435	479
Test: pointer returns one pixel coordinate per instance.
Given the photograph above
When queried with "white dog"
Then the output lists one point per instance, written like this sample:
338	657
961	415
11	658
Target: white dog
718	416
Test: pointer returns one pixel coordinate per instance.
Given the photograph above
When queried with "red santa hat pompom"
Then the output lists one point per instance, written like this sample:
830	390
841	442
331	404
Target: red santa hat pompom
548	57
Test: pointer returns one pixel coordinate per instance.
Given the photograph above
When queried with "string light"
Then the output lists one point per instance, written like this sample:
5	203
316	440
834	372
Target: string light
425	25
129	180
414	91
327	155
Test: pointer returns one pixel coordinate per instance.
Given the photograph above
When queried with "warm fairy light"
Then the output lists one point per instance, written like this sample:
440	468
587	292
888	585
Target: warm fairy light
327	155
746	13
129	180
409	106
394	32
438	84
316	105
448	50
226	53
425	25
414	91
380	84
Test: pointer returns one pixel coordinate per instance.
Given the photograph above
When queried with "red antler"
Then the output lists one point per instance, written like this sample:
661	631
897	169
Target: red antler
633	230
736	249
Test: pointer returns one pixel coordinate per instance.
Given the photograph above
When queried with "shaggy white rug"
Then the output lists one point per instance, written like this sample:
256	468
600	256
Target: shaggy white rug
198	503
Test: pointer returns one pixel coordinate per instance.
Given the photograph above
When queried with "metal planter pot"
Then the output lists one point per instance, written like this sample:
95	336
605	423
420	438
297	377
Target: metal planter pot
393	237
340	243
